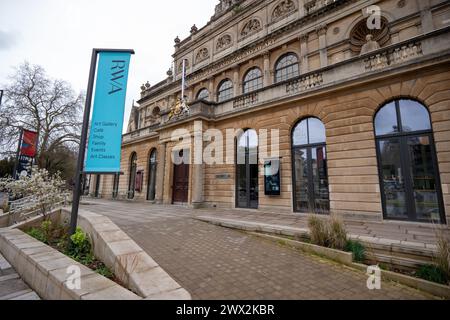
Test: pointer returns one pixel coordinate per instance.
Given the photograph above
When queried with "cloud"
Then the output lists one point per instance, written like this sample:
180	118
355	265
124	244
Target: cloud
7	40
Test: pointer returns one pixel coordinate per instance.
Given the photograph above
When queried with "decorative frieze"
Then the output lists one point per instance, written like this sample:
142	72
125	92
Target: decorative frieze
381	60
304	83
246	100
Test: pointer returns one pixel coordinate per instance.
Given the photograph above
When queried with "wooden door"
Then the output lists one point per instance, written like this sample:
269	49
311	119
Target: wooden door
180	183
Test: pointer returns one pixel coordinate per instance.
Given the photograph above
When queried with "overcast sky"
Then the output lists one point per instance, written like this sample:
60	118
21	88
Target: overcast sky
60	34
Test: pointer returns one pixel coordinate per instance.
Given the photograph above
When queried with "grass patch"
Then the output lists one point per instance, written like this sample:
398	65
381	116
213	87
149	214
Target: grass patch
432	273
357	249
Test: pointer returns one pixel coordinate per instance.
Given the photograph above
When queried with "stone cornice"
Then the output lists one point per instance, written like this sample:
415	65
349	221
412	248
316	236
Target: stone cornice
250	49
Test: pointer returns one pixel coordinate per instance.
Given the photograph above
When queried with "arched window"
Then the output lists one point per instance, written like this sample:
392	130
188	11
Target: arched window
407	163
225	90
203	94
247	170
253	80
132	178
310	176
151	176
287	67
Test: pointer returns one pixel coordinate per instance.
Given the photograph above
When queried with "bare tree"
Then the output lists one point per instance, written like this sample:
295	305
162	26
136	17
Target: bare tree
35	102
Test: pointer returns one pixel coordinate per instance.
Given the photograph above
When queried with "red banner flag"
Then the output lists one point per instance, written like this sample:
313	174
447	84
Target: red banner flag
29	143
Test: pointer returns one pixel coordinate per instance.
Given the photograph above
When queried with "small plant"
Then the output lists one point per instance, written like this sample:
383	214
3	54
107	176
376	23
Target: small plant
80	246
432	273
104	271
337	233
38	234
318	231
442	257
358	250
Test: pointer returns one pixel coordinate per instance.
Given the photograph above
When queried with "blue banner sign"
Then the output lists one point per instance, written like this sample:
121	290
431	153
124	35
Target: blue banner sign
105	136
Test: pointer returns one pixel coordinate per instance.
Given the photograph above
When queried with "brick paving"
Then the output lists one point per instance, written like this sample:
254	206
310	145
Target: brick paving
219	263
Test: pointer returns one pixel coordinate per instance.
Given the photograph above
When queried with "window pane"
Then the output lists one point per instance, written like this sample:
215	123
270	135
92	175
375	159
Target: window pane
386	120
316	131
253	80
393	179
300	135
225	91
423	177
287	68
320	180
301	180
415	117
203	94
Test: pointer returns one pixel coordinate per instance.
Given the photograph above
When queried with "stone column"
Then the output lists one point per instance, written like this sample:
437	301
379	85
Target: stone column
236	81
304	68
426	16
267	79
160	173
197	167
211	89
322	33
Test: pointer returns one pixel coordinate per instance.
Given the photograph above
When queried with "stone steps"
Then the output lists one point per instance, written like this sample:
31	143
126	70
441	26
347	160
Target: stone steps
12	287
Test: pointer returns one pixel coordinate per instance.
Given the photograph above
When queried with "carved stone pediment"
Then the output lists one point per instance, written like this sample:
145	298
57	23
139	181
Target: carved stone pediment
251	27
283	9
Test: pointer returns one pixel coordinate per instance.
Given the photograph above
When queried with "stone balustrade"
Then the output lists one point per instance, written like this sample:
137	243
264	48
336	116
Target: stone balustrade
392	56
315	5
246	100
305	83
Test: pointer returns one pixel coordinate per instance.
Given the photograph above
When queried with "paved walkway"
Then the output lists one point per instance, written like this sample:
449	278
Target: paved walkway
11	286
218	263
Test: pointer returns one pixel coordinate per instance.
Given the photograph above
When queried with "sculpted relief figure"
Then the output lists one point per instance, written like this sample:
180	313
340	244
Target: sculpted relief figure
370	45
253	26
202	55
224	42
285	8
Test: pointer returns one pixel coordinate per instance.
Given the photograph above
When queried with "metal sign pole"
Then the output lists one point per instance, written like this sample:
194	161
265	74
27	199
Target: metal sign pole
16	163
82	149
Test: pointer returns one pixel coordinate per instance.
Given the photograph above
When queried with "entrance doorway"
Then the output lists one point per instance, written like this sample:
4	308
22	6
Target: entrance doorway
247	170
180	181
151	176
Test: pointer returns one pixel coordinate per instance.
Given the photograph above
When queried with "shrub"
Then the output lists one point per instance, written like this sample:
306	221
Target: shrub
442	257
432	273
337	234
318	231
358	250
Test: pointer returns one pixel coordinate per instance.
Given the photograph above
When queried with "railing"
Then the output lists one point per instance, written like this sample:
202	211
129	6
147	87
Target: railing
393	56
305	83
246	100
315	5
32	206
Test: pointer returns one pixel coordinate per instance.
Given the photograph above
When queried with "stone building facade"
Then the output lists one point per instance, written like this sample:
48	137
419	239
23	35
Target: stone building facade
359	92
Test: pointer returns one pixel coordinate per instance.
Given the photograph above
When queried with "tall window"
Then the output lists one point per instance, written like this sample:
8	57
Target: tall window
132	178
203	94
287	67
407	163
247	170
151	176
253	80
225	90
310	167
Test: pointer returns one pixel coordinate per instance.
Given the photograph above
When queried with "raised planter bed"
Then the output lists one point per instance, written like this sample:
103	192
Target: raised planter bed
133	267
